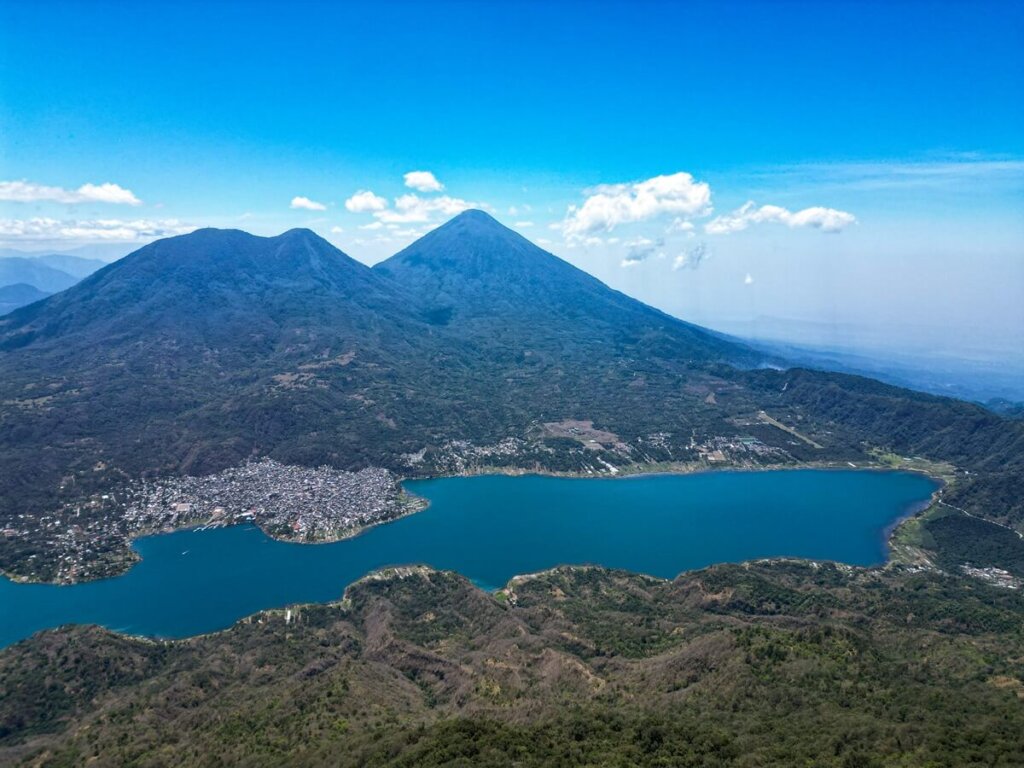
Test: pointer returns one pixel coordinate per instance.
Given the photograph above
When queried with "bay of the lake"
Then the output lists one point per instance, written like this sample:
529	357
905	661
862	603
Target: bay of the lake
488	528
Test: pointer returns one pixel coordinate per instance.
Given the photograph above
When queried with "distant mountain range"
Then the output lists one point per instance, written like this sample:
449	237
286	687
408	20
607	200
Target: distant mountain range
34	272
198	352
45	274
76	266
18	295
104	252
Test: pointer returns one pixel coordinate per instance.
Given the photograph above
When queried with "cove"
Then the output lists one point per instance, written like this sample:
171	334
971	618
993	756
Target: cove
489	528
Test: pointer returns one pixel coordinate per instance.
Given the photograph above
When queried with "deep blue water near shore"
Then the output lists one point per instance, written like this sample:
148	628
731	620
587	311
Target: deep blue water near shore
488	528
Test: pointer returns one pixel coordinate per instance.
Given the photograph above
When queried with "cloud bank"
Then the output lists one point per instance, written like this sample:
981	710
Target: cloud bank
28	192
825	219
115	230
611	205
413	209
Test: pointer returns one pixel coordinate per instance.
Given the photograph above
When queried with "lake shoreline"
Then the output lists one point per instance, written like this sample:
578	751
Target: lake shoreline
668	525
420	504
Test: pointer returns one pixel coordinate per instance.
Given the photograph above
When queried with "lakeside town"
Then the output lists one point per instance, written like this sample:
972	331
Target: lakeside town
91	538
288	502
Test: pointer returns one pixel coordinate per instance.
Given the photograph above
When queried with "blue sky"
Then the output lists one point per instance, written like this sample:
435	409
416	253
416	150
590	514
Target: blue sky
880	144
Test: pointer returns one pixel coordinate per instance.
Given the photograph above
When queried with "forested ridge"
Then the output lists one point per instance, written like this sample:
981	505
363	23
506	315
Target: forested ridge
769	664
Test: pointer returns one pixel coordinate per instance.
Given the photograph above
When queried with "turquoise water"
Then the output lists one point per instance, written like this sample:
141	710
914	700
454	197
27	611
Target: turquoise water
489	529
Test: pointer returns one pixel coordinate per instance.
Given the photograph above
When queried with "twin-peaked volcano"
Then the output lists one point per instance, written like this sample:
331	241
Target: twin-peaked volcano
211	285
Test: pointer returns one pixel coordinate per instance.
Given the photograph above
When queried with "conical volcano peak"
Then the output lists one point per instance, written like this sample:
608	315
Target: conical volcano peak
474	217
473	244
474	264
481	279
299	235
473	226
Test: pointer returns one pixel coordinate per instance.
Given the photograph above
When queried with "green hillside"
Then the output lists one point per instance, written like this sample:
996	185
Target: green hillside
764	665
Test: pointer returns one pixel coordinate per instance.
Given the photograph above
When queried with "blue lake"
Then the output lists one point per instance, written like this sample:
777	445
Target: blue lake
488	528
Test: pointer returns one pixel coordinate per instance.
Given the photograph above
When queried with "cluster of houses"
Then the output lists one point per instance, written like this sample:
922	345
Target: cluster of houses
310	504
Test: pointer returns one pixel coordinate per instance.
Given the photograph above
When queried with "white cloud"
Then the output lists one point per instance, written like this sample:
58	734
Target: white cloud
413	209
680	225
692	258
117	230
107	193
748	280
408	232
825	219
524	224
410	208
306	204
423	181
639	241
371	225
610	205
28	192
640	250
336	230
365	201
